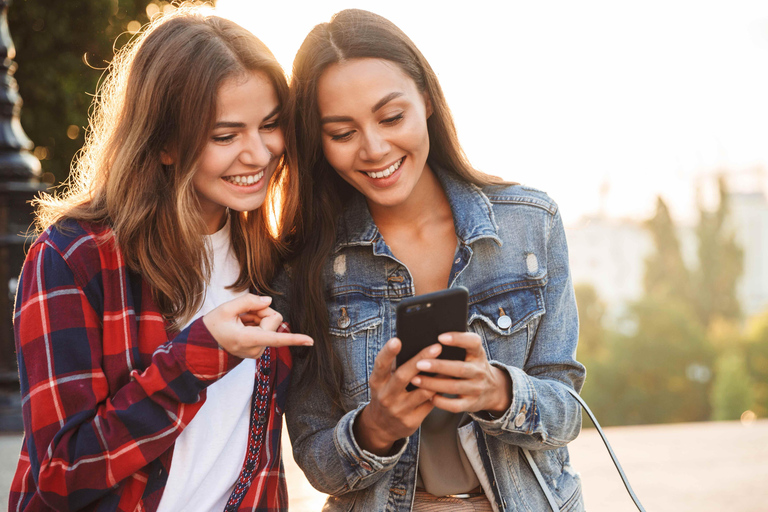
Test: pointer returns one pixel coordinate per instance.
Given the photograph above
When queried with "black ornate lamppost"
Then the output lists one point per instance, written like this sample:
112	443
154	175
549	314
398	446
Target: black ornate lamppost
19	182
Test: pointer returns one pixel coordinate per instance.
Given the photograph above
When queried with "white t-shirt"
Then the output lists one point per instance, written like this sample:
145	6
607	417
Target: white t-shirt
209	453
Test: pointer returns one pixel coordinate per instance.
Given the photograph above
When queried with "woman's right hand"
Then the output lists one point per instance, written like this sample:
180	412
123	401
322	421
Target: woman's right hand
393	412
227	326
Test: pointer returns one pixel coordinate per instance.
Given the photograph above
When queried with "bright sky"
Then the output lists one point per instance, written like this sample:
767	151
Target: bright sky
632	98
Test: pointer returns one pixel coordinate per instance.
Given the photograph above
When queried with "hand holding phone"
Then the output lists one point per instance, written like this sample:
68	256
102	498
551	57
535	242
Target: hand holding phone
421	319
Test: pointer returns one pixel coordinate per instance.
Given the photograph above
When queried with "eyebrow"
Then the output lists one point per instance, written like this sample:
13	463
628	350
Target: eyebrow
238	124
345	119
386	99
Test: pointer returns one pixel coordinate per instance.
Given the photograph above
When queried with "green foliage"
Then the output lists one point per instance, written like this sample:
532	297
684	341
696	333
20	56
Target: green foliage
720	264
61	51
756	347
666	276
732	392
684	359
591	332
656	375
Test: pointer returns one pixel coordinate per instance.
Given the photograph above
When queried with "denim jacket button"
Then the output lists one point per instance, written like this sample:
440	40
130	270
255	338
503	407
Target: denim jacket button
519	420
504	322
365	466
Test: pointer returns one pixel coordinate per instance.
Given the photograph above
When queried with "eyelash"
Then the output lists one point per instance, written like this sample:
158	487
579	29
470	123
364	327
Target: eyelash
271	126
389	121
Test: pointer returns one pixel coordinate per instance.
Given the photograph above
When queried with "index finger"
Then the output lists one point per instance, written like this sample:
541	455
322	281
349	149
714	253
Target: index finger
469	341
259	337
408	370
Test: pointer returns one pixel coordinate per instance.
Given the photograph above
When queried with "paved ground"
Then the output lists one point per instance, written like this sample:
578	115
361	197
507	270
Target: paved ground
698	467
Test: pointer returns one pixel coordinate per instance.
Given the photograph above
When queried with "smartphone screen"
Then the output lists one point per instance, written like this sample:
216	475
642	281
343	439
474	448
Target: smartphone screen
421	319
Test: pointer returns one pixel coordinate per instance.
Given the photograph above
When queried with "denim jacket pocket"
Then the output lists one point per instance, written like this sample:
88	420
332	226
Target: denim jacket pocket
354	327
506	318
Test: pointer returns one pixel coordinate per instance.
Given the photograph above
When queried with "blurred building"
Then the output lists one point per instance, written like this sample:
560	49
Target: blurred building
750	223
610	254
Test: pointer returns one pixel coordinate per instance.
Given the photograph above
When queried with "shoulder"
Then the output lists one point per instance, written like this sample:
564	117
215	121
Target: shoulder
80	246
520	196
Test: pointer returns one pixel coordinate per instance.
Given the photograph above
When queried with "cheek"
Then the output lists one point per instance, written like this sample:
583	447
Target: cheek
276	143
210	164
339	156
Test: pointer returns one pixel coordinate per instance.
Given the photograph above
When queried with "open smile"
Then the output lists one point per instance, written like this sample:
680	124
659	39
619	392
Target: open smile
244	180
385	173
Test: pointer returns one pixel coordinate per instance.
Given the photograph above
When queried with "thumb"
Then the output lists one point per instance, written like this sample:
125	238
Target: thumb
246	303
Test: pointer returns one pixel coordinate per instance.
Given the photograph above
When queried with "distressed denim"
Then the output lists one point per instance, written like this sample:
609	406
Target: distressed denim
513	259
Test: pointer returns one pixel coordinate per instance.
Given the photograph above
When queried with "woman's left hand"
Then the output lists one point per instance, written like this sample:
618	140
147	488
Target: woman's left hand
479	386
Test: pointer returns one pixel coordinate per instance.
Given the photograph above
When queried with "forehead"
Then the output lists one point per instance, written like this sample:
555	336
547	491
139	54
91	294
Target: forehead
361	83
250	89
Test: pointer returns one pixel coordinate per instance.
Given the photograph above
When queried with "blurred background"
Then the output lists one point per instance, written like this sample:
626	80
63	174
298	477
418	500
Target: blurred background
647	123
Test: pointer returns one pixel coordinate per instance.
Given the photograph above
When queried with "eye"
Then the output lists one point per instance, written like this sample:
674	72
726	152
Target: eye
223	138
342	136
393	119
271	125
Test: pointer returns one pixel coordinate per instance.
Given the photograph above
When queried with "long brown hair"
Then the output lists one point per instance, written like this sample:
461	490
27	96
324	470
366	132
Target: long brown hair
160	96
350	34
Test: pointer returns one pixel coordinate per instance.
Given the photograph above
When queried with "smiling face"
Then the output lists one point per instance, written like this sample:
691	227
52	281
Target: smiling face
243	149
374	128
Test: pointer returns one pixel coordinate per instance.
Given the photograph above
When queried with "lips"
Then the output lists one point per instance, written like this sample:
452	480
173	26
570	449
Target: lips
243	180
386	172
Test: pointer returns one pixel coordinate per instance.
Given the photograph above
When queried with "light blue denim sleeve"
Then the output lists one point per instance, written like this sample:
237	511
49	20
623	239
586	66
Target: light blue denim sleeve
324	445
543	414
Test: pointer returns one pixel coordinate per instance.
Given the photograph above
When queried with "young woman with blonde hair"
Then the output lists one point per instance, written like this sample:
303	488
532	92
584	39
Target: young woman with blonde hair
151	378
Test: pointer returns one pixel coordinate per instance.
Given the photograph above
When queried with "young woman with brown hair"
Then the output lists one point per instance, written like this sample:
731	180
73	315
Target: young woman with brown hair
391	208
151	378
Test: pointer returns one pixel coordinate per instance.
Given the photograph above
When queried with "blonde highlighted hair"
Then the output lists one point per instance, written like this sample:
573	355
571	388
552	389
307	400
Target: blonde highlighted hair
159	95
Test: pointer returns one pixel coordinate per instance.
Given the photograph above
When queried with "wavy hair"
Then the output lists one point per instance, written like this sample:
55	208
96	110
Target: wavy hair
351	34
159	95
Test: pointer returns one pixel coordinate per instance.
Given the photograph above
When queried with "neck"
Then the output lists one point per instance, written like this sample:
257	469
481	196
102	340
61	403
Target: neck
213	223
426	204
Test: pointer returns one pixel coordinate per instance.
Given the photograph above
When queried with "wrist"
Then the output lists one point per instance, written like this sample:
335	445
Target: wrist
503	395
369	435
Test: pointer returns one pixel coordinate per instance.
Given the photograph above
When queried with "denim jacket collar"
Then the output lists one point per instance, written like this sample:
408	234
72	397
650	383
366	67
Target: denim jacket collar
472	214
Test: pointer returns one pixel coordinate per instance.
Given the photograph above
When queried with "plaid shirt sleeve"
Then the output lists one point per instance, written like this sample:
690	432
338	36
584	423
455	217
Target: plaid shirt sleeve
83	436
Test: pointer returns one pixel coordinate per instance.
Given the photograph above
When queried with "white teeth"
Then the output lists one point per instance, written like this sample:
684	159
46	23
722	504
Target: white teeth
386	172
244	181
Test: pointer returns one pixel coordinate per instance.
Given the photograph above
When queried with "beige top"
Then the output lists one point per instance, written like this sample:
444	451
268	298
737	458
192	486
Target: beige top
443	465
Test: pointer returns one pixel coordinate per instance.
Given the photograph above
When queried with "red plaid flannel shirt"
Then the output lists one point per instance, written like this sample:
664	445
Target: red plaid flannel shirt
106	388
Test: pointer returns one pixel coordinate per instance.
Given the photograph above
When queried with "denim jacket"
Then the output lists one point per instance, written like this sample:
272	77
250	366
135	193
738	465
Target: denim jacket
513	259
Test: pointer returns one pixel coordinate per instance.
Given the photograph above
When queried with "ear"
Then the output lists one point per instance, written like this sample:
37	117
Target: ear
166	158
428	105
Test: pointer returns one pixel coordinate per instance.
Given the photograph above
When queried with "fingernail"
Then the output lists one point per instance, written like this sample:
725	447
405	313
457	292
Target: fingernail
416	381
423	365
266	299
434	350
445	337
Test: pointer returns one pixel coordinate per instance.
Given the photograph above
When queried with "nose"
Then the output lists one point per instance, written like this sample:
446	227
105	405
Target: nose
256	153
374	147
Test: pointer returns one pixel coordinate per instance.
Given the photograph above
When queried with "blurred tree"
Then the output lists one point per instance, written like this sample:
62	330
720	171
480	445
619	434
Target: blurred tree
62	50
757	362
720	264
732	391
660	373
666	276
591	330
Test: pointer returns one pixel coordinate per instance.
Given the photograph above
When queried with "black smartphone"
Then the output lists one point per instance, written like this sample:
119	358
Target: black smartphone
421	319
